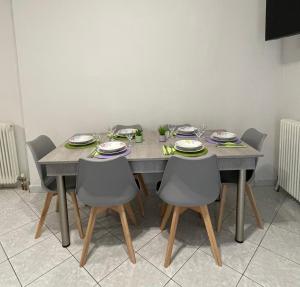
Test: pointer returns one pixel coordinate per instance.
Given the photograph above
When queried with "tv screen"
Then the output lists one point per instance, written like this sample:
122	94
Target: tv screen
282	18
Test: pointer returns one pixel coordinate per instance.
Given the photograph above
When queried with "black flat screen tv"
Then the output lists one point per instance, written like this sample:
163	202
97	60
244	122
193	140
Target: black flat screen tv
282	18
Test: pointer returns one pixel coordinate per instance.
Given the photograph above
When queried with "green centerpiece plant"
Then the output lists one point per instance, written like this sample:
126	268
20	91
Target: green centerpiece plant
139	136
162	133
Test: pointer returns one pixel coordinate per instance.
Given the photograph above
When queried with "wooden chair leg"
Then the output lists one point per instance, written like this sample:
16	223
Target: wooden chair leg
130	213
211	234
166	217
140	203
142	184
44	214
163	208
77	215
88	235
57	204
126	233
223	194
250	195
175	219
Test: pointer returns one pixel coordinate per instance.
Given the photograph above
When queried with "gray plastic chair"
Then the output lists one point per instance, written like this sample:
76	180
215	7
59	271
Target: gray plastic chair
190	183
255	139
103	185
39	148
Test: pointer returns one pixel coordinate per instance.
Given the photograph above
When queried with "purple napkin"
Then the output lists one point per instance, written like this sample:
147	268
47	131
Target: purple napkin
210	140
104	156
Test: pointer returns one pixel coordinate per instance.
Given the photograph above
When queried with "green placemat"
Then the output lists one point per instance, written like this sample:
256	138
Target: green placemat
172	151
67	145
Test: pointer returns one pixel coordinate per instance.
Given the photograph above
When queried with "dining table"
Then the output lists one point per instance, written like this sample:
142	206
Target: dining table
147	157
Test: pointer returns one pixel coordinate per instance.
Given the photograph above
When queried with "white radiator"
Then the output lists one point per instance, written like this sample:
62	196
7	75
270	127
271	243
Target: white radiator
289	157
9	168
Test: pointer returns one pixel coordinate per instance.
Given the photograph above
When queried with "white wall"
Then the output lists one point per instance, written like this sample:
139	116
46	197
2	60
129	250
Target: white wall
290	101
87	64
10	100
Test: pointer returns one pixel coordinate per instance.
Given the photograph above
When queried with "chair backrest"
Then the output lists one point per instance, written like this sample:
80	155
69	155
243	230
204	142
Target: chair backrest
135	126
197	176
254	138
109	180
40	147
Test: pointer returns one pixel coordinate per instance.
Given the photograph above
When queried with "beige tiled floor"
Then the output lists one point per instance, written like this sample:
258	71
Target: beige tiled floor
269	257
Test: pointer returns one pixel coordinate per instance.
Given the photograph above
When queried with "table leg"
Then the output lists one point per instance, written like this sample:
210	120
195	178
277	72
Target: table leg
240	207
63	211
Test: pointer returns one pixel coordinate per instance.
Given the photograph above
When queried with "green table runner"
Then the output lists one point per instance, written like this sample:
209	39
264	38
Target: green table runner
67	145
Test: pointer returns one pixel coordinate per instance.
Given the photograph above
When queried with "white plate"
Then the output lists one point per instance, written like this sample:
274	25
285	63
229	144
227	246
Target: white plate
224	135
189	150
81	139
124	132
113	152
186	130
113	146
188	144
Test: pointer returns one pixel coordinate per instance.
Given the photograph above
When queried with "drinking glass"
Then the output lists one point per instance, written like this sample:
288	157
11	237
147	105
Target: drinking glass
200	130
171	129
129	137
110	133
97	138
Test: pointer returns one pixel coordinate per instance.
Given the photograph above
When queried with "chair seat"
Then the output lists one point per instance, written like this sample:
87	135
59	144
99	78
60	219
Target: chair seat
173	195
70	182
232	176
107	199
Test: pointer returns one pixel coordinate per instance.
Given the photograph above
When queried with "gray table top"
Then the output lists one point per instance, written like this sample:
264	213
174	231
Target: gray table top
150	149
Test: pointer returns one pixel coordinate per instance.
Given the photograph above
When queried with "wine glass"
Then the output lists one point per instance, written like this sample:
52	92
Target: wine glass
129	137
200	131
171	129
97	138
110	133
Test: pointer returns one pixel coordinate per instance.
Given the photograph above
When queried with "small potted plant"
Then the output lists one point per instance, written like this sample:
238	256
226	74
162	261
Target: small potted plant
162	134
139	136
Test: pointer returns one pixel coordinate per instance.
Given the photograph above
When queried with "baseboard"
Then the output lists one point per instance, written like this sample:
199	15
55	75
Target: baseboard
35	188
265	182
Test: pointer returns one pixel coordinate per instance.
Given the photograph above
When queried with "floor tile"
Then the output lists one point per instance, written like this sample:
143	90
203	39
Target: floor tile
9	197
233	254
269	269
75	240
140	274
38	205
53	222
12	217
32	196
252	232
7	276
288	216
19	239
246	282
140	235
104	256
283	243
38	259
67	274
172	283
155	251
201	270
191	229
3	256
